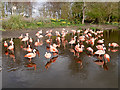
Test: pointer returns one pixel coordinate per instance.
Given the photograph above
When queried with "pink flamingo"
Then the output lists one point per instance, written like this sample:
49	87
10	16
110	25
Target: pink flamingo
99	52
106	56
57	33
48	55
37	43
72	50
100	47
73	31
40	36
25	38
5	44
11	47
58	39
37	34
90	49
48	41
49	35
100	41
53	49
82	38
21	36
30	40
29	49
113	45
73	40
31	55
11	41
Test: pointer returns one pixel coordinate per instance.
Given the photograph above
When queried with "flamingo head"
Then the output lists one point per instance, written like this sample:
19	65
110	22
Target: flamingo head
34	50
104	48
75	37
103	45
27	34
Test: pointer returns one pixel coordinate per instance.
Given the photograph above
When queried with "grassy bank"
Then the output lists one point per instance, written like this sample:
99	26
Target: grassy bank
17	22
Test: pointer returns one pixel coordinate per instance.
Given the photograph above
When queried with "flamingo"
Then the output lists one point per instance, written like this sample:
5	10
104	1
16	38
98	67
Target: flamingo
11	41
40	36
80	49
54	45
37	34
73	51
49	35
100	41
77	47
92	41
106	56
100	47
48	41
113	45
58	39
40	32
73	40
99	52
48	55
53	49
31	55
57	33
50	31
29	49
5	44
73	31
90	49
86	31
30	40
82	38
21	36
37	43
25	38
89	34
11	47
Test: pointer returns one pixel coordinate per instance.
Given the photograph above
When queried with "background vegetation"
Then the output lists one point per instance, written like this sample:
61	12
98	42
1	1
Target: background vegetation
57	14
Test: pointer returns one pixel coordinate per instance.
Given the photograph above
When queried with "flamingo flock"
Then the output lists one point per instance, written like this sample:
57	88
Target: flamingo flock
80	41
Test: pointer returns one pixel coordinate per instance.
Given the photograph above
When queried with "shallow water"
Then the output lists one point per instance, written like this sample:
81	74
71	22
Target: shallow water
65	72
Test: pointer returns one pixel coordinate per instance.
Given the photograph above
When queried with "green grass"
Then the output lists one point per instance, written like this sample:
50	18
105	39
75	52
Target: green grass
2	29
17	22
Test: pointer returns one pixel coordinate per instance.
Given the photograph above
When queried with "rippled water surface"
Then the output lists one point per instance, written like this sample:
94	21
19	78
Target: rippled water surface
64	72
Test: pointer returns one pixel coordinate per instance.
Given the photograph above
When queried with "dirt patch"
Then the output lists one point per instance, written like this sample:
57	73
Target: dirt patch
16	33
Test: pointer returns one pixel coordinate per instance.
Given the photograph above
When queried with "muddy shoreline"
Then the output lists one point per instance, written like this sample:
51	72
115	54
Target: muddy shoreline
16	33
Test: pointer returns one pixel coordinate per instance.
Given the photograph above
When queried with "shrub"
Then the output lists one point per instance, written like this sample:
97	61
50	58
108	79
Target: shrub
14	22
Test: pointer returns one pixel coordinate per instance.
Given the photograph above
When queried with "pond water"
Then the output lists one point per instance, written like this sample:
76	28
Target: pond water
64	72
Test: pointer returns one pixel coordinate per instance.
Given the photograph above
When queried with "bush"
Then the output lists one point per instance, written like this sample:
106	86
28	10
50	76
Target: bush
14	22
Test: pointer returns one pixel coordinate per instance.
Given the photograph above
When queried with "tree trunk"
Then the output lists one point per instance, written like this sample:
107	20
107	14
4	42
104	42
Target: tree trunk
109	18
83	13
